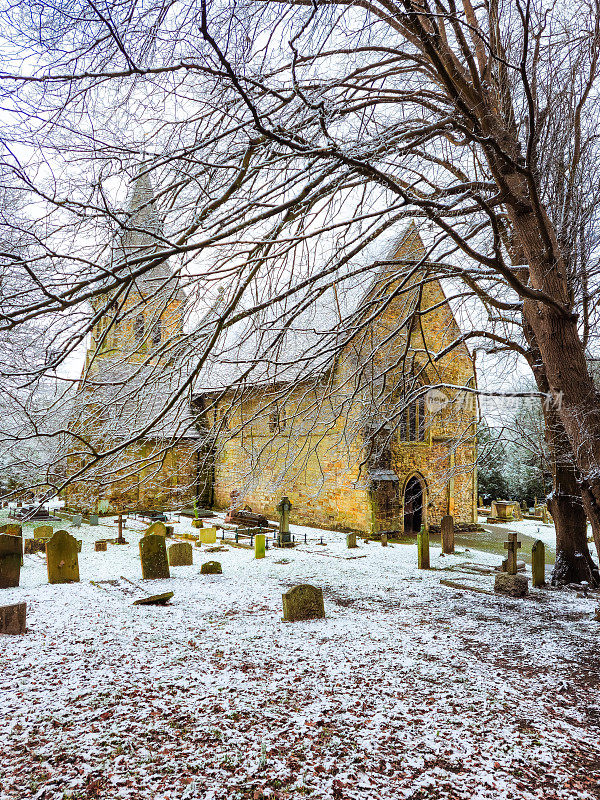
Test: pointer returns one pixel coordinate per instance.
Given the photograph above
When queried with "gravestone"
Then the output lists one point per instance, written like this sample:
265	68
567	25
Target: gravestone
384	540
157	529
538	564
10	560
153	555
211	568
511	557
351	540
208	535
93	519
303	602
259	545
447	528
181	554
284	537
12	529
513	585
544	515
423	548
43	532
100	546
34	546
13	619
62	558
77	520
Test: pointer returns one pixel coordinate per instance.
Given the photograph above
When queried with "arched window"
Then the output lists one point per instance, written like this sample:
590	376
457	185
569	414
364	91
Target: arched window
412	424
138	328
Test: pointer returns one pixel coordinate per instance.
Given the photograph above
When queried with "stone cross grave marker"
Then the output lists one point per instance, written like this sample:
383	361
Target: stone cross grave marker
423	548
43	532
62	558
538	564
260	545
284	537
447	528
351	540
157	529
153	555
211	568
181	554
10	560
208	535
13	619
512	546
303	602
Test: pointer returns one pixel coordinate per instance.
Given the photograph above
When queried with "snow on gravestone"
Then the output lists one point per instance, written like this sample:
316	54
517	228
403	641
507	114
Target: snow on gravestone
303	602
157	529
153	555
181	554
62	558
10	560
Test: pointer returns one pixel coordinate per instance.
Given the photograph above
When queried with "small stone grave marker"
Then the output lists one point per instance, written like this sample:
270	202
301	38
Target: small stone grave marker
538	564
10	560
423	548
259	545
181	554
384	541
93	519
157	529
153	555
351	540
211	568
13	619
62	558
303	602
43	532
447	528
12	529
34	546
100	546
77	520
514	585
208	535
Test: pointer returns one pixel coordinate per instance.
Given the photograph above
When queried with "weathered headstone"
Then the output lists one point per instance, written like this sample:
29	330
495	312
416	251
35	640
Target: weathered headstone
34	546
447	528
211	568
351	540
538	564
284	537
259	545
303	602
43	532
13	619
100	546
181	554
514	585
62	558
12	529
153	555
384	540
544	515
77	520
423	548
157	529
10	560
511	558
93	519
208	535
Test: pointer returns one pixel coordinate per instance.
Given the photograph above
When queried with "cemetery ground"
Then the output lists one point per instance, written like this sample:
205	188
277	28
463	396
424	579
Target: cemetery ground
408	688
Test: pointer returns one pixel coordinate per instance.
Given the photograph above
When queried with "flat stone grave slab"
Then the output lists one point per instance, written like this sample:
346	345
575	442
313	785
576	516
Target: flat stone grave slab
10	560
303	602
62	558
181	554
13	619
153	555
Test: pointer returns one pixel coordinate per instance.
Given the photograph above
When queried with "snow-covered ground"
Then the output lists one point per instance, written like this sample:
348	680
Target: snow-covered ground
408	689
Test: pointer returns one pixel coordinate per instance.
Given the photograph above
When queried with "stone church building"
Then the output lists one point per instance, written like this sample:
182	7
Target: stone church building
380	437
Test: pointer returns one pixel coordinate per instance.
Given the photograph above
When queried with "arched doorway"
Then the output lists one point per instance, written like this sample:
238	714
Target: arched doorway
414	501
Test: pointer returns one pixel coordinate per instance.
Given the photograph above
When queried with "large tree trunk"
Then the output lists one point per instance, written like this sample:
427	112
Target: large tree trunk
574	562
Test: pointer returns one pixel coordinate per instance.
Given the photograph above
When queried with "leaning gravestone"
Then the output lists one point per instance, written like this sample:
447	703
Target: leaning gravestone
153	555
43	532
351	540
181	554
62	558
303	602
211	568
208	535
538	564
13	619
157	529
447	528
10	560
